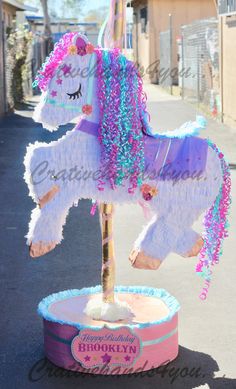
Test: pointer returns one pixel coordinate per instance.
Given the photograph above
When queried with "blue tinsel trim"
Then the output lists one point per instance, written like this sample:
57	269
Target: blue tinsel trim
187	129
169	300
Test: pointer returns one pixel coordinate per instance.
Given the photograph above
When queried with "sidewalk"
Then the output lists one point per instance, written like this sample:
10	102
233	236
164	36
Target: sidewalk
169	112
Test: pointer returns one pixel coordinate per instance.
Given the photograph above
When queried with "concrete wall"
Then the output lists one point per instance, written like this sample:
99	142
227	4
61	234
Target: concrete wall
183	11
228	69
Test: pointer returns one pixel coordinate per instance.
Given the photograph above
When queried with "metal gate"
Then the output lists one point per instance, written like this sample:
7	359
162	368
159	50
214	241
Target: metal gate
200	77
165	79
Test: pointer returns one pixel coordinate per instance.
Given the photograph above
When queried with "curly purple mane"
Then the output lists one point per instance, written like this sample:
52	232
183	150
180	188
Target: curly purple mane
122	105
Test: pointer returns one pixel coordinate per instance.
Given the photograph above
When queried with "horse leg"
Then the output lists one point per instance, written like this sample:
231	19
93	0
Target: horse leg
153	245
163	235
45	228
189	243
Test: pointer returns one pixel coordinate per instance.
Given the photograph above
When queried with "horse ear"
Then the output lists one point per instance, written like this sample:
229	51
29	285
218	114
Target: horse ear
80	41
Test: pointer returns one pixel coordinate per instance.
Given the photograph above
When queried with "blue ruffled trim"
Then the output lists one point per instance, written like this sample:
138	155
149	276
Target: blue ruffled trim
162	294
187	129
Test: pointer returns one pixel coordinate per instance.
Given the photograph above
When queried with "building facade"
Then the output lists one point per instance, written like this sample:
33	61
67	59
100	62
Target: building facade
63	25
151	17
151	21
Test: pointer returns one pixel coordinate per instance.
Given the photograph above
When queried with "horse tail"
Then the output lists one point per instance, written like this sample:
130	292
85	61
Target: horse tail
215	225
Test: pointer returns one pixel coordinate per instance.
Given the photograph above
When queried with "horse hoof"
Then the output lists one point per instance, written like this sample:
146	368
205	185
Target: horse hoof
48	196
140	260
38	249
195	250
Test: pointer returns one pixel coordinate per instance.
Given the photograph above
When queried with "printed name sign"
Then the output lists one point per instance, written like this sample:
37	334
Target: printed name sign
106	346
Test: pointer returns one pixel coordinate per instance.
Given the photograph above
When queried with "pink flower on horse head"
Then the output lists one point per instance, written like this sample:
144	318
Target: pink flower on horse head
54	93
72	50
87	109
89	48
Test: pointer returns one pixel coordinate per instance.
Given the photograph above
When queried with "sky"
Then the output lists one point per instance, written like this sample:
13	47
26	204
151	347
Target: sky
93	4
87	6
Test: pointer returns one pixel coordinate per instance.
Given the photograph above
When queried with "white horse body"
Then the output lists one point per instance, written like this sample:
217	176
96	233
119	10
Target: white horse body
62	172
73	165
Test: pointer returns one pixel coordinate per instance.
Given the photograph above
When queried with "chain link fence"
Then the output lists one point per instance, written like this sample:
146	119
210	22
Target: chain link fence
227	6
199	76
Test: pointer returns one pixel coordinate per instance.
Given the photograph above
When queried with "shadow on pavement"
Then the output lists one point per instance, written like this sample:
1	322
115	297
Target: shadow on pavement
190	370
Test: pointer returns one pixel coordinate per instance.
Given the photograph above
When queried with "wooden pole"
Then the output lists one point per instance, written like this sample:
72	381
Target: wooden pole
108	253
119	25
106	210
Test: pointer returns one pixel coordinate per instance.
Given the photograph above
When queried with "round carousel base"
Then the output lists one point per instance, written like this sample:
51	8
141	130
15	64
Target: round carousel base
145	340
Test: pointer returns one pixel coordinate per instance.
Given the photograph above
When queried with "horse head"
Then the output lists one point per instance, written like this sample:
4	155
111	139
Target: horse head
78	79
66	81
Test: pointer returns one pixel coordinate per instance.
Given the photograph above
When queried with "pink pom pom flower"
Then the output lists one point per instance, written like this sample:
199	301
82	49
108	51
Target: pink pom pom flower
87	109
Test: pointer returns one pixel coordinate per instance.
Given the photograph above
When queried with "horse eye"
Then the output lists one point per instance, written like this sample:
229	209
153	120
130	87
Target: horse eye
76	94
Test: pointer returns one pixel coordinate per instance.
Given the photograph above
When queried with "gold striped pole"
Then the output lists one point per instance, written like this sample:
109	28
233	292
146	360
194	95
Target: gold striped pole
119	23
117	11
116	25
108	254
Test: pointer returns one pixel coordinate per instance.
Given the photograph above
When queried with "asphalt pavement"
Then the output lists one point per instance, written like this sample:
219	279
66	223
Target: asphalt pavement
207	331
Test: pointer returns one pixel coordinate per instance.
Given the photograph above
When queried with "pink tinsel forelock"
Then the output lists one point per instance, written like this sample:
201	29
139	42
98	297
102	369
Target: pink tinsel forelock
52	62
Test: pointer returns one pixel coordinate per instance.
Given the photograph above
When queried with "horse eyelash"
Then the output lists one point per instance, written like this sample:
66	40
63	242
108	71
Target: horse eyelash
76	94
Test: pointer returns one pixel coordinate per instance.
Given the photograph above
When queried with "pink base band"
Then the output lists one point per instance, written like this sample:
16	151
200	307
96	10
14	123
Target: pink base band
157	343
